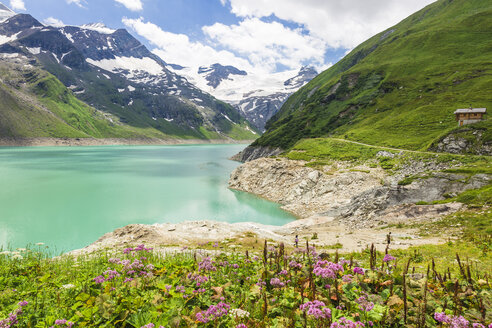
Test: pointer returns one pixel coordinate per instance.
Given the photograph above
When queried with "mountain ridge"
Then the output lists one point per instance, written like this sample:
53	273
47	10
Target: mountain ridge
115	73
399	88
255	96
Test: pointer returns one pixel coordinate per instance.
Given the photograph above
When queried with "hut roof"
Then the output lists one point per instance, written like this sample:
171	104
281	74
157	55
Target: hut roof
471	110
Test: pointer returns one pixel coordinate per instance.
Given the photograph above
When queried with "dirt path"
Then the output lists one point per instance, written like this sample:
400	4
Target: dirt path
390	148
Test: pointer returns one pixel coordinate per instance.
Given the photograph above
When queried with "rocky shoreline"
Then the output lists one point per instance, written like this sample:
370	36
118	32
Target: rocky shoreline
341	206
356	196
64	142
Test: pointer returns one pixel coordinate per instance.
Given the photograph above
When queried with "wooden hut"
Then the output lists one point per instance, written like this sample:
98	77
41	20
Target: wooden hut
469	115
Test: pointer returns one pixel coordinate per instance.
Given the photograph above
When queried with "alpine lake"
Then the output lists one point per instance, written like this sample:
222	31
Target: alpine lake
68	197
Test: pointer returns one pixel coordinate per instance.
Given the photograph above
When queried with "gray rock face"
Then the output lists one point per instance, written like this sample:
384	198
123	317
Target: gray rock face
369	207
254	152
358	197
258	109
216	73
456	144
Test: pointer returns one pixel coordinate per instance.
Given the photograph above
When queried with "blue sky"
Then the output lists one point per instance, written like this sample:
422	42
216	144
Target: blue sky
256	35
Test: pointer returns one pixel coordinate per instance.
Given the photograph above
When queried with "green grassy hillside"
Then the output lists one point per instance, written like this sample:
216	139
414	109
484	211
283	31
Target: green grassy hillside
401	87
35	104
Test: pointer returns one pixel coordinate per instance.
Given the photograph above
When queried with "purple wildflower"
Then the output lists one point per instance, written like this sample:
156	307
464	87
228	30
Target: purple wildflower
149	325
358	270
114	260
99	279
364	304
442	317
277	283
388	258
347	323
213	312
347	278
317	309
207	265
294	265
327	269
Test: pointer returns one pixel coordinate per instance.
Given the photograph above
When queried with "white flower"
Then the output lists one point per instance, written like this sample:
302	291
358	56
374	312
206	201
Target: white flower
68	286
17	257
21	249
5	253
239	313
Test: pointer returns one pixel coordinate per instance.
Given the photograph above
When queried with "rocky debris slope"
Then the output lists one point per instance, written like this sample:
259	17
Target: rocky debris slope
251	153
359	197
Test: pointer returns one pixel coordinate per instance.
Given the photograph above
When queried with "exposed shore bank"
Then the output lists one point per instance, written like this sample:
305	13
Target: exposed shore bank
65	142
330	236
341	206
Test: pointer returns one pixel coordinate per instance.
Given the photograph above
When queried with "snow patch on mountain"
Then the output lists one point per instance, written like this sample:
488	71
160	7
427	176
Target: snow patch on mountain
257	96
235	87
145	64
34	51
6	39
98	27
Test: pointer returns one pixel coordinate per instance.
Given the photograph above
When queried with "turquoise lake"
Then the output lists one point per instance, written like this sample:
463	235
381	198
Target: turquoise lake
67	197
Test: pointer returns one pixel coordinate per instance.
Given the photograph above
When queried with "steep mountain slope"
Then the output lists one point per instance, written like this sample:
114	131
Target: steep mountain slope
257	97
401	87
116	74
36	104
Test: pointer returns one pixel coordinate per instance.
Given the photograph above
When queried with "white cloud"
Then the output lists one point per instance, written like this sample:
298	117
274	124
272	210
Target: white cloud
252	45
266	44
133	5
261	45
53	22
79	3
17	5
179	49
340	23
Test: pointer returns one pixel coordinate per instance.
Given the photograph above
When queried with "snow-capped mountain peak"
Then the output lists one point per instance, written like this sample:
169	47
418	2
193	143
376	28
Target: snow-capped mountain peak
98	27
217	73
5	12
257	96
306	74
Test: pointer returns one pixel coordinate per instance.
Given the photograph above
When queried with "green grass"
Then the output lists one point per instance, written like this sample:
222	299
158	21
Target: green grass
43	107
323	151
475	197
102	290
401	87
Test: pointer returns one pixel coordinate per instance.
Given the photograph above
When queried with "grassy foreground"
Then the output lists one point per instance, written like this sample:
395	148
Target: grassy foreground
218	286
